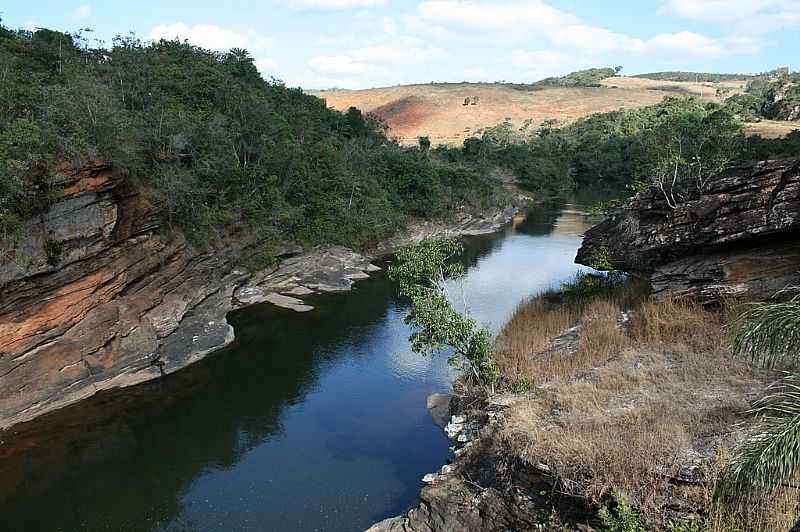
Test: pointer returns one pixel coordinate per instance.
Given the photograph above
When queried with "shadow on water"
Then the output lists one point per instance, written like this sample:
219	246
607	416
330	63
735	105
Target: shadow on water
309	421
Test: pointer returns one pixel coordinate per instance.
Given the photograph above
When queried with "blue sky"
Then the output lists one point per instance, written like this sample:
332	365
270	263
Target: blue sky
368	43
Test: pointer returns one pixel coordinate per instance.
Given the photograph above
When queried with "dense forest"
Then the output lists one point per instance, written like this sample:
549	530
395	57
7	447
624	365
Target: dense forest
215	144
218	146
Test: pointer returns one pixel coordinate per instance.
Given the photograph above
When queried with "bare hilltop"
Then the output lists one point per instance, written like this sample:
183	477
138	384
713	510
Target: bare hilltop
448	113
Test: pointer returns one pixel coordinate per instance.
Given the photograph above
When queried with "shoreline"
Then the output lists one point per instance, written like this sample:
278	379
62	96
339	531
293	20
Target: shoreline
181	325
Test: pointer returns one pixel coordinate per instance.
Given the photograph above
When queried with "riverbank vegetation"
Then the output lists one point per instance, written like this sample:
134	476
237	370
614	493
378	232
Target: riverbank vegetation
621	397
215	144
422	272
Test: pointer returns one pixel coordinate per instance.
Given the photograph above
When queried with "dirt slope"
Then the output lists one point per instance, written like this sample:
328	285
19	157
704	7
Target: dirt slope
438	110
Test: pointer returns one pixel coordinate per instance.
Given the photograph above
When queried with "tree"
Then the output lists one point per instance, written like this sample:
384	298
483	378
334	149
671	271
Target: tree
356	124
424	143
690	143
422	272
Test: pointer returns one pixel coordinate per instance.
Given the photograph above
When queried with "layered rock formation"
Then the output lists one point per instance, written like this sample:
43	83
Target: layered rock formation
99	295
739	236
96	296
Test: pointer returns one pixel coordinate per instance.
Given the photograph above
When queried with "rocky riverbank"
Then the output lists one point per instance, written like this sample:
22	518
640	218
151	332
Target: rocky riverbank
628	395
99	295
649	419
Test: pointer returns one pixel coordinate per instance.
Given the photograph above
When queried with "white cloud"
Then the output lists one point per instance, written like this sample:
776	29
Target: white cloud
685	42
83	11
537	58
749	16
497	15
726	10
595	40
476	74
538	64
398	53
339	65
390	26
331	4
267	66
212	37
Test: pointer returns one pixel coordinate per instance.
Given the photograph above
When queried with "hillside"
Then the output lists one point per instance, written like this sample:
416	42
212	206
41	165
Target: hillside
438	110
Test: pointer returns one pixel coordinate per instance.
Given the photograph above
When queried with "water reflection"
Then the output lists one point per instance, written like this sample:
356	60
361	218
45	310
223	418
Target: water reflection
310	422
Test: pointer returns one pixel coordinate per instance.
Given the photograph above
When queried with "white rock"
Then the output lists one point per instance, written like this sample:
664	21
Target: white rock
446	469
453	428
429	478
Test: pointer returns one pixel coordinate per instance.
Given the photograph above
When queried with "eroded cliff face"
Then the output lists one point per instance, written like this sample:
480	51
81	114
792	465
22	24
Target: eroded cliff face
98	296
741	236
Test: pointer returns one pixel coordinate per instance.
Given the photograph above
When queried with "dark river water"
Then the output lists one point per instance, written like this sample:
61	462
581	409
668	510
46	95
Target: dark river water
309	422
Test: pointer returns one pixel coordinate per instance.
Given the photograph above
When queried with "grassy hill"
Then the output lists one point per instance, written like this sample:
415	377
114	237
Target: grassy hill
450	113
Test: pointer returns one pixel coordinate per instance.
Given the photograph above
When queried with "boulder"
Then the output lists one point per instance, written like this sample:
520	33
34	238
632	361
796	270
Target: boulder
739	235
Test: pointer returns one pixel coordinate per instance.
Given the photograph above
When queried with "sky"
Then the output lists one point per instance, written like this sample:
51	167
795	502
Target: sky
319	44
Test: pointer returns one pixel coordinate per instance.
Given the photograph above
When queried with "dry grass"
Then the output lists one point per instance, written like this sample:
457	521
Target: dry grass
437	110
771	129
549	336
679	326
627	406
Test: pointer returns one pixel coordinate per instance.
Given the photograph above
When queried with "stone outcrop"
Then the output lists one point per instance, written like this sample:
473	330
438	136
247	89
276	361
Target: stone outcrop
740	236
99	294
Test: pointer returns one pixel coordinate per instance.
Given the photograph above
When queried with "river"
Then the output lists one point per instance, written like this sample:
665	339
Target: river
309	422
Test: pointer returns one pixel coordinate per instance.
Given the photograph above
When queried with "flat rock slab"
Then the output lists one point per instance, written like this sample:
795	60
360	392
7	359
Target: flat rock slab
299	291
291	303
439	408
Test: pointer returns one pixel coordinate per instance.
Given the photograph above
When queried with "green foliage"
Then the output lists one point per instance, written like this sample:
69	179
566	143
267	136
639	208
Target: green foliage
218	145
774	95
263	258
590	77
601	259
746	106
685	526
521	385
759	149
424	143
422	272
605	208
622	518
769	333
680	139
589	285
705	77
771	457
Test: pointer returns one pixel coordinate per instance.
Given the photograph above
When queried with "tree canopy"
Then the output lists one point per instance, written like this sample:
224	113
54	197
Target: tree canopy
216	143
